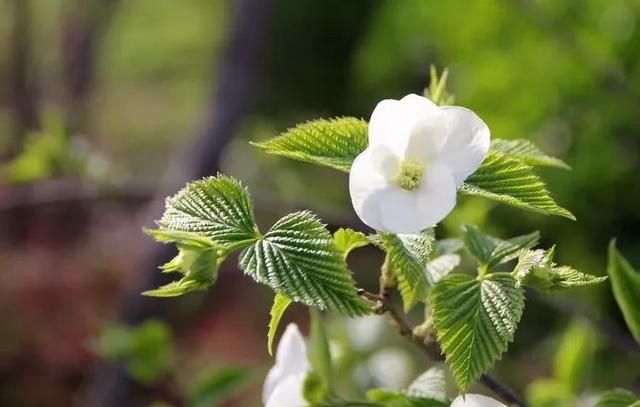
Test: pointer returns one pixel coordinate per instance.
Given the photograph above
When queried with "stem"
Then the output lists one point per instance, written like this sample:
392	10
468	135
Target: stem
432	350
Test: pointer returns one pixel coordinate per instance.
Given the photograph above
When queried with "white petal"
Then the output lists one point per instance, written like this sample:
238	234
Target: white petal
384	161
288	393
291	359
467	142
475	400
399	211
436	196
292	351
393	121
365	186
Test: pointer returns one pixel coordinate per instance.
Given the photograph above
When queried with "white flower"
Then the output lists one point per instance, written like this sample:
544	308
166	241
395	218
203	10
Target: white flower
475	400
283	386
418	154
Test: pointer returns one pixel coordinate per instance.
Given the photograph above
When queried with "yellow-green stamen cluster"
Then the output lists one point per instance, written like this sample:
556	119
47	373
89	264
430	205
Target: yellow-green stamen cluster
410	175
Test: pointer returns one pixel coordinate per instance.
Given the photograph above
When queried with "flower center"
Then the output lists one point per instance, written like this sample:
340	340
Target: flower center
410	175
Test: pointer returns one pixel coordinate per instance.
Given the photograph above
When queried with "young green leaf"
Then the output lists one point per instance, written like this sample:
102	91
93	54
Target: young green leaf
537	269
528	153
348	239
618	398
177	288
625	282
333	143
408	255
215	386
218	208
491	251
507	180
197	260
437	90
475	319
527	261
298	257
280	304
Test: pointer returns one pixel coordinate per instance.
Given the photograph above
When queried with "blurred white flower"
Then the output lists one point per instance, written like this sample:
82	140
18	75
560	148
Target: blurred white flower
365	332
284	383
390	368
475	400
419	153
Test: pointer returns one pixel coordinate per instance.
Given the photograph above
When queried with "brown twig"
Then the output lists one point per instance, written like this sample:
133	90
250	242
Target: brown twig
430	347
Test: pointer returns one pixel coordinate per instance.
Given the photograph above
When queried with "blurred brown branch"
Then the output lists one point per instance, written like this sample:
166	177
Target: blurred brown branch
22	94
82	27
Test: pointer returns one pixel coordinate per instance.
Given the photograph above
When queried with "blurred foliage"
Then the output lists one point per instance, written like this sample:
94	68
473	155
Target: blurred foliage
572	368
216	385
49	153
145	350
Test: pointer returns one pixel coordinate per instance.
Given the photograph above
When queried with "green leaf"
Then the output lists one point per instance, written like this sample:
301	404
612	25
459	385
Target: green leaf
625	282
491	251
217	385
396	399
280	304
527	152
507	180
408	254
218	208
333	143
618	398
431	384
475	319
348	239
298	257
441	266
537	269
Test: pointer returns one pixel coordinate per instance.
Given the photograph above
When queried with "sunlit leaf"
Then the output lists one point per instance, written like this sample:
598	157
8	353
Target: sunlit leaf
218	208
280	304
298	257
527	152
507	180
348	240
333	143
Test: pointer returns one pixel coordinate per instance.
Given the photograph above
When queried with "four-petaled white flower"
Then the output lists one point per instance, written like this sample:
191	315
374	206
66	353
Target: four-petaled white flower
284	383
418	154
475	400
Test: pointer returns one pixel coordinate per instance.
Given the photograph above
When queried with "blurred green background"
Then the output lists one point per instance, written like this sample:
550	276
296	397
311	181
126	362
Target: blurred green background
107	106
